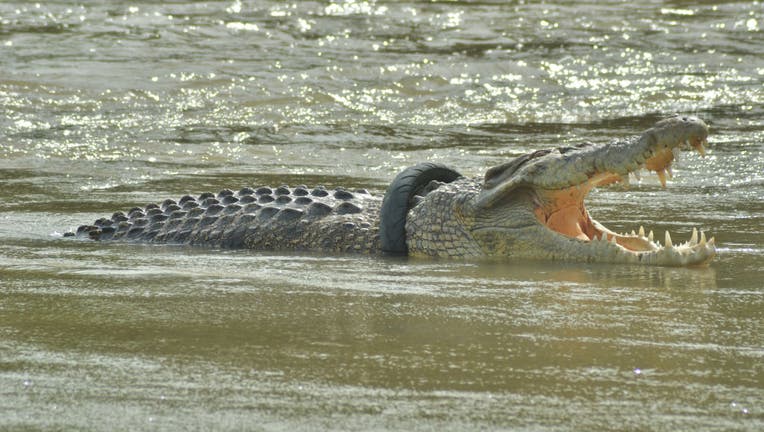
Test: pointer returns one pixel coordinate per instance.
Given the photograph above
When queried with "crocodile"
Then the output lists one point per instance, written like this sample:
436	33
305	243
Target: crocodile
531	207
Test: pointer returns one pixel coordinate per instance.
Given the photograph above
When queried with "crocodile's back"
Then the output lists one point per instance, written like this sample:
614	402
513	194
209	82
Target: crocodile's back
283	218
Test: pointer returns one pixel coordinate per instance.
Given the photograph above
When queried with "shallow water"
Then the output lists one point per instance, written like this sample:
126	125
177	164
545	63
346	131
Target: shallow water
105	105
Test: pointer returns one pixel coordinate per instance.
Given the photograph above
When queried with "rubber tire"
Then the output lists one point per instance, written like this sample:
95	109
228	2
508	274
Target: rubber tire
395	205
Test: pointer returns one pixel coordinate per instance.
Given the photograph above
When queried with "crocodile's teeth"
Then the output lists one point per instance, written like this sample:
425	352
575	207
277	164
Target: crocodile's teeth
612	240
702	239
641	231
694	237
662	177
633	233
650	236
668	240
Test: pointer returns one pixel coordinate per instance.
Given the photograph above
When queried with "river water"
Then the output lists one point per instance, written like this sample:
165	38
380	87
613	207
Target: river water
105	105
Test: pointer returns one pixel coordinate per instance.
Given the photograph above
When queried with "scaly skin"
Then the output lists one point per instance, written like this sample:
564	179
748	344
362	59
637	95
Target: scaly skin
283	218
531	207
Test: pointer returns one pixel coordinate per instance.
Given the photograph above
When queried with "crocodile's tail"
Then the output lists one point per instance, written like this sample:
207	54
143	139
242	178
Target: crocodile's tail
283	218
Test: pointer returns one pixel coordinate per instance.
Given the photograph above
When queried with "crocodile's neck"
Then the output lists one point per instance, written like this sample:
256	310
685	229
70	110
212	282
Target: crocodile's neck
438	224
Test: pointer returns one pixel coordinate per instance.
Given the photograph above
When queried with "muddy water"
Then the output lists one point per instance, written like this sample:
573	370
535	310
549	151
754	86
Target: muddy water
106	105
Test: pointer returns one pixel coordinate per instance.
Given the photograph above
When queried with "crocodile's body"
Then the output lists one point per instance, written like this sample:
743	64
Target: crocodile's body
530	207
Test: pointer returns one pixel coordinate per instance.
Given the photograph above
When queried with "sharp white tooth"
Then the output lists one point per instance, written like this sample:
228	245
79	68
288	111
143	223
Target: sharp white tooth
641	231
668	240
712	242
702	239
694	237
633	233
612	240
650	236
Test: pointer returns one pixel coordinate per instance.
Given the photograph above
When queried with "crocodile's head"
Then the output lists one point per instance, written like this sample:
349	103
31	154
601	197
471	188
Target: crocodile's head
533	206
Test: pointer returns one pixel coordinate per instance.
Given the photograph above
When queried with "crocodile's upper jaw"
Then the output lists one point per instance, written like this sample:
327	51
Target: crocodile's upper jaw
564	226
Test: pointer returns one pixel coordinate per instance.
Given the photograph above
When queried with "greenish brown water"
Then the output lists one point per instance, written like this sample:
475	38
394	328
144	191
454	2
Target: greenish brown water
106	105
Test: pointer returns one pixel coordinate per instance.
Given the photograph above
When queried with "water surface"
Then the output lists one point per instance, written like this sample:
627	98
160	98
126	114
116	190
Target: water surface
107	105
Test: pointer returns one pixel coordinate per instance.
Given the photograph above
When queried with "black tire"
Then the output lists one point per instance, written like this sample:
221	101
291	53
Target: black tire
395	205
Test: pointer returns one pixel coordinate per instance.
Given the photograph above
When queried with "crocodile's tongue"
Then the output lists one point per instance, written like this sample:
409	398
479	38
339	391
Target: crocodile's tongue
563	210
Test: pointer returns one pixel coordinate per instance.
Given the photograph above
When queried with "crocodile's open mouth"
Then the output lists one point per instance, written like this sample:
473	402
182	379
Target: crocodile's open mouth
563	210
